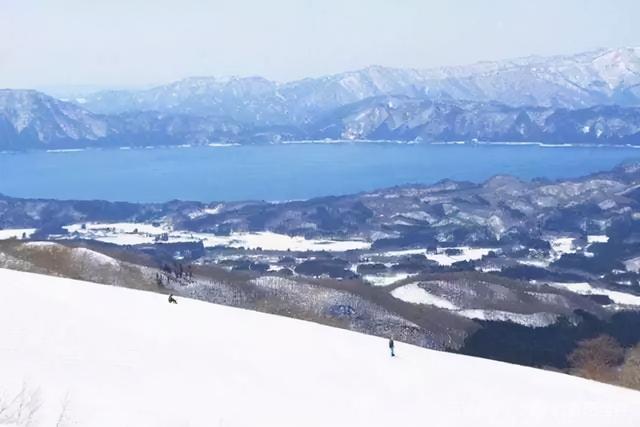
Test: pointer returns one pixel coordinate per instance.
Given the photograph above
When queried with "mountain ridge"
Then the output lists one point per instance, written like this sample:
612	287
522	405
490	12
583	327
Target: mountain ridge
578	80
32	120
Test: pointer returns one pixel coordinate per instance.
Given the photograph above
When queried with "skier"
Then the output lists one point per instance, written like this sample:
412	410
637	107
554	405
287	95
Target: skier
172	300
391	346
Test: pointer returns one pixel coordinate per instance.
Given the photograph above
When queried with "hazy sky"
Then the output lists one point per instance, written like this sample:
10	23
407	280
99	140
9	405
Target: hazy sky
132	42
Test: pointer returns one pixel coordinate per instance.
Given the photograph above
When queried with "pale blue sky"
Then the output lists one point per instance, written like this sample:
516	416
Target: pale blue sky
132	42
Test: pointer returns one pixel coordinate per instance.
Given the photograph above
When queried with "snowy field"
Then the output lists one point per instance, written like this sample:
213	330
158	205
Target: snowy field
562	245
16	233
584	288
139	234
633	264
280	242
385	279
440	256
93	355
414	294
534	320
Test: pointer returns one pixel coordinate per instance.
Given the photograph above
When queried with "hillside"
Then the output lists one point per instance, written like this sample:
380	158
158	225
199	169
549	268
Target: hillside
33	120
408	119
97	355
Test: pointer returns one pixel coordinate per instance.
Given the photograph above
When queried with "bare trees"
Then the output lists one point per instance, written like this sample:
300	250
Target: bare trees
603	359
630	370
597	358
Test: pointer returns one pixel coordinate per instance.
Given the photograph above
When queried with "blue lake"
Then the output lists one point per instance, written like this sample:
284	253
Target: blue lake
282	172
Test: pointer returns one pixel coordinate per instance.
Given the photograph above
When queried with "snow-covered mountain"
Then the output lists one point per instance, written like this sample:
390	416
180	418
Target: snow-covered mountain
605	76
256	100
571	81
30	119
75	353
403	118
251	99
589	97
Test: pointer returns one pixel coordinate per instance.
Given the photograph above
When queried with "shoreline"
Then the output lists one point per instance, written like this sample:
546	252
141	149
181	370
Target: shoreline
332	142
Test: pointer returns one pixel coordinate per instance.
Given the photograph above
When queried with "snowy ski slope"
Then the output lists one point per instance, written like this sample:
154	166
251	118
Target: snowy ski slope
117	357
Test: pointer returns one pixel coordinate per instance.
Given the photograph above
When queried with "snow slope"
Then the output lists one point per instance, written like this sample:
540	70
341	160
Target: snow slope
584	288
415	294
119	357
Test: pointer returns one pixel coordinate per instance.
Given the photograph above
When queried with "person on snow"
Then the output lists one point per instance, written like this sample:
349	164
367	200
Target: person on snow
391	347
172	300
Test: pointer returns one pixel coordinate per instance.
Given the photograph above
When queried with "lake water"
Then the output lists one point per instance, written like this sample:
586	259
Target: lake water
282	172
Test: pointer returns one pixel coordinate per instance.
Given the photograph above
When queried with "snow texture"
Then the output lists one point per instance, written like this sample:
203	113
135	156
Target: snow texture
633	264
440	256
597	239
584	288
107	356
415	294
385	279
280	242
535	320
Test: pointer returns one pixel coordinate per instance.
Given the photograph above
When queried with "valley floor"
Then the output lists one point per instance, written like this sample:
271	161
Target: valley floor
92	355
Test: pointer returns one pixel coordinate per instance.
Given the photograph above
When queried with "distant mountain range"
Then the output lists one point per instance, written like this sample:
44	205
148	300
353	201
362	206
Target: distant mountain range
575	81
587	98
